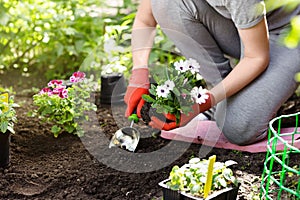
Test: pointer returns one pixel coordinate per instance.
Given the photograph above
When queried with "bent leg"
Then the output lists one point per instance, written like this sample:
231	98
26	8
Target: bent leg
199	32
249	112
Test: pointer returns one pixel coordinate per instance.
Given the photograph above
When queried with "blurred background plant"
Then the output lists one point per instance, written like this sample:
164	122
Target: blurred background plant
293	37
49	39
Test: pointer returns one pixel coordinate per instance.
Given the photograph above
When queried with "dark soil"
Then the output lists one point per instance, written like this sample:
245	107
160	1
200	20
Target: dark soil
147	112
68	167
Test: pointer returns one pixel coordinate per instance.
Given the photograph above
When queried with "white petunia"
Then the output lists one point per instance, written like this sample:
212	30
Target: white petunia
199	94
162	91
181	66
193	65
198	77
169	85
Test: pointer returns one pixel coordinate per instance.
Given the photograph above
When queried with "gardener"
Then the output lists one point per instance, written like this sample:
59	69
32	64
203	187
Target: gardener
246	96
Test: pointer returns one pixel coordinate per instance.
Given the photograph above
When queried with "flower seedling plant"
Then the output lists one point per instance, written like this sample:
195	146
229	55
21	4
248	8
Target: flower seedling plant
65	103
177	89
8	116
191	177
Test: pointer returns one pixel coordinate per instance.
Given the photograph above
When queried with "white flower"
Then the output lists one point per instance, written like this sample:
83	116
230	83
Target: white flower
162	91
109	45
199	77
181	66
199	94
193	65
169	85
113	67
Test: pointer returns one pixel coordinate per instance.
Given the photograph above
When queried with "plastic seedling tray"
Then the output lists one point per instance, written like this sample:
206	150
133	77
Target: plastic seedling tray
224	194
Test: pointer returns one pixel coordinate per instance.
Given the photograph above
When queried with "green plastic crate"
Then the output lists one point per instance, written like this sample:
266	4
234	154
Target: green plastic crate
279	180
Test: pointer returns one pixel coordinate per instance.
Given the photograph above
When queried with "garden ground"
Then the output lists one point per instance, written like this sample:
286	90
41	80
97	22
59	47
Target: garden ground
68	167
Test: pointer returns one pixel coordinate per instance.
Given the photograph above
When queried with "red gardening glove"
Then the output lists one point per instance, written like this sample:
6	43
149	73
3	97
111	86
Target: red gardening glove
184	119
138	85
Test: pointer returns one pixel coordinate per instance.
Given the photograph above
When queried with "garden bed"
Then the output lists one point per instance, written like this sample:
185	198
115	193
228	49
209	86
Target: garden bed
44	167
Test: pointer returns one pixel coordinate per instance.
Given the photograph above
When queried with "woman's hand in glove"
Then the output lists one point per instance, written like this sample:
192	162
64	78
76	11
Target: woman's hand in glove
138	85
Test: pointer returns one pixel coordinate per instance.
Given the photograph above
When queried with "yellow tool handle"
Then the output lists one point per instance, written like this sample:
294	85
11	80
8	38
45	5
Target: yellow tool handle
208	182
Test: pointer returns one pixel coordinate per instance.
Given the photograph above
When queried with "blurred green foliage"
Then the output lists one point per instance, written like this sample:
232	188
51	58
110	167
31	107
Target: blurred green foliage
57	37
47	36
54	38
293	38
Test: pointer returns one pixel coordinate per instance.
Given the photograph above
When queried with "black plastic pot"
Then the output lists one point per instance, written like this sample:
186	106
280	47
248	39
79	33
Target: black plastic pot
4	149
147	112
113	88
224	194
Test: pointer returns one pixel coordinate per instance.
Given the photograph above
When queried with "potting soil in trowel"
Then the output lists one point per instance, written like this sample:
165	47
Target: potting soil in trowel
128	137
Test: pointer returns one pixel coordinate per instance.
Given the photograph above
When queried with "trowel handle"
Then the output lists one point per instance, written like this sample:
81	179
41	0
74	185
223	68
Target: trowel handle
133	117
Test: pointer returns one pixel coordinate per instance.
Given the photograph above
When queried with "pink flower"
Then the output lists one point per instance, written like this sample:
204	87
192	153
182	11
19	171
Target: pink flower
55	83
61	91
58	90
63	94
77	77
46	91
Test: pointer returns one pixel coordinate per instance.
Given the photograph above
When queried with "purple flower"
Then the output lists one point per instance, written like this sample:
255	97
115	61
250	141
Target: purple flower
77	77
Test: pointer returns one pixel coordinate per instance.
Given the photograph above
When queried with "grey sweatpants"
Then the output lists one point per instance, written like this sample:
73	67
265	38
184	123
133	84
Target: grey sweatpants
201	33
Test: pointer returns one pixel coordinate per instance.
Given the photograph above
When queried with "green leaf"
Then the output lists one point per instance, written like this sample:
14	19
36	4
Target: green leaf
4	17
55	130
69	31
10	129
59	49
176	91
186	109
148	98
222	182
195	189
3	126
185	91
297	77
227	173
70	128
168	108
